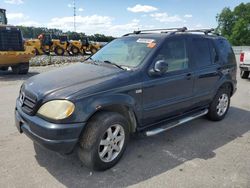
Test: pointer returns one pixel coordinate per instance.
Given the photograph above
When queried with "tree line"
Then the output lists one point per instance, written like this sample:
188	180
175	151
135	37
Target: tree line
34	32
235	24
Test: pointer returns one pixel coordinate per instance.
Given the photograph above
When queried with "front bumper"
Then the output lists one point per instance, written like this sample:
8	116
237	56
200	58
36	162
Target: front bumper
61	138
244	67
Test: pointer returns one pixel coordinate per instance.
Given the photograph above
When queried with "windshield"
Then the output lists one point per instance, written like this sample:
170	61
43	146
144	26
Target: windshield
126	51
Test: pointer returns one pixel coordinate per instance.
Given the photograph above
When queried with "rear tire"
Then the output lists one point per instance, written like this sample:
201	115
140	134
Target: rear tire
74	50
104	140
59	51
22	68
244	74
93	50
220	105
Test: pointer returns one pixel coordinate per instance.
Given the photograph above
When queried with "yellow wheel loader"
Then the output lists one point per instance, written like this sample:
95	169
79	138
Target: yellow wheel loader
60	45
83	46
75	47
13	53
45	44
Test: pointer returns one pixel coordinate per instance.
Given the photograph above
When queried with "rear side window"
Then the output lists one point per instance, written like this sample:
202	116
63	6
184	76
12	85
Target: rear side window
214	53
174	52
201	52
225	51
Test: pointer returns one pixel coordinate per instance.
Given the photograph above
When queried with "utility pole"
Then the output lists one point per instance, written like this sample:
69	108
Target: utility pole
74	7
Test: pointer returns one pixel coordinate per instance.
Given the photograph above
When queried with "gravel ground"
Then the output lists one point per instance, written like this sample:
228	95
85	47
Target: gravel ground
44	60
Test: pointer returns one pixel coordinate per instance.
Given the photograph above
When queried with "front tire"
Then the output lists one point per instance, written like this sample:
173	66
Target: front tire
104	140
22	68
244	74
220	105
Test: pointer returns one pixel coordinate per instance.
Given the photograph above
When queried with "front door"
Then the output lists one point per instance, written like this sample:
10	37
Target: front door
169	94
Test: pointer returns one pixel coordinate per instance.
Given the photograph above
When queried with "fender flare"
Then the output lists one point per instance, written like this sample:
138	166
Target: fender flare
224	82
100	102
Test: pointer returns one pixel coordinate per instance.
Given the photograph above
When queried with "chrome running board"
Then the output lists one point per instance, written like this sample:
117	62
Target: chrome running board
175	123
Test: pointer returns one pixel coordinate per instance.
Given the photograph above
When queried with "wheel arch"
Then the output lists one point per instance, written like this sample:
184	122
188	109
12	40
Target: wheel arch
121	104
125	111
226	84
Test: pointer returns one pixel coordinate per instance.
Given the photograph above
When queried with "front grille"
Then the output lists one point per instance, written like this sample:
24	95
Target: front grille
27	102
11	40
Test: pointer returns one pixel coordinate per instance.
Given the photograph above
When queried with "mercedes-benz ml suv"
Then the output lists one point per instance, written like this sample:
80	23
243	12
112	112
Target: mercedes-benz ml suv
144	82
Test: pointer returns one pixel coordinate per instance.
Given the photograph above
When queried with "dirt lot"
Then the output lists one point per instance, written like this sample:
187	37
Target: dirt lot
198	154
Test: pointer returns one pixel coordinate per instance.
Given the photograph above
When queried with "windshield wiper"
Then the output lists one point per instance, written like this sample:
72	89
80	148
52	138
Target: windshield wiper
114	64
92	60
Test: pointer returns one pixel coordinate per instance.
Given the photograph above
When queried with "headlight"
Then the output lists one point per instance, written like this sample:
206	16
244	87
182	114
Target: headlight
57	109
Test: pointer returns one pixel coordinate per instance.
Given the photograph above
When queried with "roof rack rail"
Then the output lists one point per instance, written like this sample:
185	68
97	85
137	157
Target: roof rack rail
205	31
175	30
181	29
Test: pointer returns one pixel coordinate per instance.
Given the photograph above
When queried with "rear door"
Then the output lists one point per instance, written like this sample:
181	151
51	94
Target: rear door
207	69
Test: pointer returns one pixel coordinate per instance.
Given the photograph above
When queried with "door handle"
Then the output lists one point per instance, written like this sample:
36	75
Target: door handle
188	76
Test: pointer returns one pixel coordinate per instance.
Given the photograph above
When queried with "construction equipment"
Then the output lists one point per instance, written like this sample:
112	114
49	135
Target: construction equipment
45	44
41	45
13	53
59	46
83	46
3	18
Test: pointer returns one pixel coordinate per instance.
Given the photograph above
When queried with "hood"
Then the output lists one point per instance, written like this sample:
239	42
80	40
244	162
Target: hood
63	82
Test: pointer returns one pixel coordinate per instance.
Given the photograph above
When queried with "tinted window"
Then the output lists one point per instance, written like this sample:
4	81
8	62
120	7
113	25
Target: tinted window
175	54
214	53
201	52
225	51
2	19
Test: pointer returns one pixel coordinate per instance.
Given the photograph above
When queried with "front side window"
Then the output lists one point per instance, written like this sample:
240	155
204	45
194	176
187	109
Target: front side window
126	51
174	52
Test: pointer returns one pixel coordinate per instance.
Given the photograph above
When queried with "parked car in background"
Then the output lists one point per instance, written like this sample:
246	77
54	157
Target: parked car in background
245	64
143	82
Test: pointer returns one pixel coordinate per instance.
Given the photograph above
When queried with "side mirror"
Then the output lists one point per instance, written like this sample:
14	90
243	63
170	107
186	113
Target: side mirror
160	68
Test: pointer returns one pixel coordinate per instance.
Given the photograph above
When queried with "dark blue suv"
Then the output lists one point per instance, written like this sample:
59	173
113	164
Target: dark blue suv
145	82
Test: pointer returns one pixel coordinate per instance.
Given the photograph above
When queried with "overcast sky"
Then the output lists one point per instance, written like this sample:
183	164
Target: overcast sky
115	17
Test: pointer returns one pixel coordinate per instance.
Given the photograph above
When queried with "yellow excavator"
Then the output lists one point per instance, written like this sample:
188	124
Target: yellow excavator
45	44
13	53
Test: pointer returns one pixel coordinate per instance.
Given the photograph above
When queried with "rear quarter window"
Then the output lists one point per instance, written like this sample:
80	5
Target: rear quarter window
225	51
